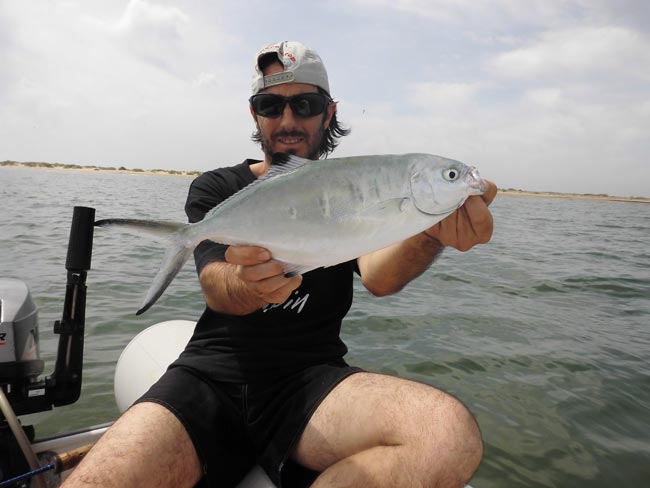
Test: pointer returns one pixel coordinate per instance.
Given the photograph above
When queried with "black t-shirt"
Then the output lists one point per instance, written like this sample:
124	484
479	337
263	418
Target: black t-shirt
277	339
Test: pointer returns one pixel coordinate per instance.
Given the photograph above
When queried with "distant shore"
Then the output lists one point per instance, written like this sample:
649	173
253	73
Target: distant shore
97	169
166	172
578	196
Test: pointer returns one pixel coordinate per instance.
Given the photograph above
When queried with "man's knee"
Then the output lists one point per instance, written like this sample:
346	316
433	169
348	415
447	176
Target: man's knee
453	442
469	442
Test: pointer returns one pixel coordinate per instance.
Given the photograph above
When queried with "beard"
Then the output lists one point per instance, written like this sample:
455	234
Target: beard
313	145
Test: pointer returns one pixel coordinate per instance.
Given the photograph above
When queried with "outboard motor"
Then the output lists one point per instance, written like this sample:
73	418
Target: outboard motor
19	354
19	363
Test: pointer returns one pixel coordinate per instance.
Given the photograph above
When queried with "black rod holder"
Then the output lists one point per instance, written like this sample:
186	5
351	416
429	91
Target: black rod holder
64	386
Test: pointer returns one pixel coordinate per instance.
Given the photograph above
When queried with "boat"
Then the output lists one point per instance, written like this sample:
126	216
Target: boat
25	459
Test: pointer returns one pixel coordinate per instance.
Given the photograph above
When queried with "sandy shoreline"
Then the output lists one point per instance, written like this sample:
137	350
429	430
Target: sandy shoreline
576	196
99	169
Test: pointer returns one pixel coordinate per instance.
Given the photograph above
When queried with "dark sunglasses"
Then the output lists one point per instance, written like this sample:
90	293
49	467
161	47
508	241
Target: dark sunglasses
303	105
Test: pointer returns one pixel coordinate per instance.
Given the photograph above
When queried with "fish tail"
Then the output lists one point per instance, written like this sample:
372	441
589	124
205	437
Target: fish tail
178	251
175	257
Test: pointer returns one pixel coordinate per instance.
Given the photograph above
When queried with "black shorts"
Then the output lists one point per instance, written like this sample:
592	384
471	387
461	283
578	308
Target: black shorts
234	426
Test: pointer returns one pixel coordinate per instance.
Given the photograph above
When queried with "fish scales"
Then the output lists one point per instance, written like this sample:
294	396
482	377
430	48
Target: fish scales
315	237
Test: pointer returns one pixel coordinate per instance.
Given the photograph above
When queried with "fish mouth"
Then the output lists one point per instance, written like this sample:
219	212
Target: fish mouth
475	183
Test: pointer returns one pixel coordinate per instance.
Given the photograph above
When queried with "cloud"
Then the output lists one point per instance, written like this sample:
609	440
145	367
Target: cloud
144	17
207	79
541	141
438	96
499	16
560	123
6	76
129	89
152	31
605	52
549	98
445	11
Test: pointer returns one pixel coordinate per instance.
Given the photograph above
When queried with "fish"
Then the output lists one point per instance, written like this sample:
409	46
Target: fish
316	213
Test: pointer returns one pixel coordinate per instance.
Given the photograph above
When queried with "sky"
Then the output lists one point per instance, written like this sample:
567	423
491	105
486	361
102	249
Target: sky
539	95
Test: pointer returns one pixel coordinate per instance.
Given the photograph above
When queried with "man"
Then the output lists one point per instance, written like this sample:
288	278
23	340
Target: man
267	384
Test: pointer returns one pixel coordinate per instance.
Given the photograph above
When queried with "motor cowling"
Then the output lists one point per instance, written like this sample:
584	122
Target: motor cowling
19	350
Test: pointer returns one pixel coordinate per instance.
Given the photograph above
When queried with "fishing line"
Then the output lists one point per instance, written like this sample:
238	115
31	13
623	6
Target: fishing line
19	434
59	463
23	476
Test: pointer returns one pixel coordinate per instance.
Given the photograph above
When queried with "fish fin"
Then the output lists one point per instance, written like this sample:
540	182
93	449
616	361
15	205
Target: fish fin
159	229
291	270
281	164
386	208
176	255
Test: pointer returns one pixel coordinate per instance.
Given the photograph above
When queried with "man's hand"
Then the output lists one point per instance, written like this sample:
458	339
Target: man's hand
246	282
262	277
471	224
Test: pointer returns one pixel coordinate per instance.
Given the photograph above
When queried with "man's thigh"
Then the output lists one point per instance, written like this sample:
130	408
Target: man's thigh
367	410
128	456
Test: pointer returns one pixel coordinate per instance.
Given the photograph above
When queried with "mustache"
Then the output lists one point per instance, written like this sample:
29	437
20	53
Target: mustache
292	133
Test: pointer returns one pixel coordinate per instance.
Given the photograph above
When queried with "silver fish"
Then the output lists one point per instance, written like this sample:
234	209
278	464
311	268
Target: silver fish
311	214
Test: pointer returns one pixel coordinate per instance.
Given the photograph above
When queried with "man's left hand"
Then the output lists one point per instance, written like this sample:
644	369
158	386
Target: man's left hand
471	224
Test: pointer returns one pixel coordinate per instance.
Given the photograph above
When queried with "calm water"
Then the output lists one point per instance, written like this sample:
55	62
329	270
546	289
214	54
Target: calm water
544	333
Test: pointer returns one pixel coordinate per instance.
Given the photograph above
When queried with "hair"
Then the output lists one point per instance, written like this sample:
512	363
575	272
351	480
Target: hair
331	135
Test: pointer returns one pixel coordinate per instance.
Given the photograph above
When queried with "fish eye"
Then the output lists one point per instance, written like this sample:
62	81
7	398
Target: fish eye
451	174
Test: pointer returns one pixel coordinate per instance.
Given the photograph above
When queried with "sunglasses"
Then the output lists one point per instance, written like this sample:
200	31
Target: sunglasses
303	105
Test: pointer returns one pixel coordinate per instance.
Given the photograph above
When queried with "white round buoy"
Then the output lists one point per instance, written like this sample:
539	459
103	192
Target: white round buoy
146	357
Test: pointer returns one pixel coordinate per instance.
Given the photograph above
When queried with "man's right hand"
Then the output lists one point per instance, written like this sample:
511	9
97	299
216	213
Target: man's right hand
263	276
247	281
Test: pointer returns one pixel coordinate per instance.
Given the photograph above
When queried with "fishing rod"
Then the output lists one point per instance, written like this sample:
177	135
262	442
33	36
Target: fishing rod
58	463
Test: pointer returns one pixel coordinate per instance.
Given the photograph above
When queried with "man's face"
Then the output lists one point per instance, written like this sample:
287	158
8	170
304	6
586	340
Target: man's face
289	133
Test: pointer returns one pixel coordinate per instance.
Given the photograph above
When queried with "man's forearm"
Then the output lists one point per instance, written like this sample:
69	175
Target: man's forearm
388	270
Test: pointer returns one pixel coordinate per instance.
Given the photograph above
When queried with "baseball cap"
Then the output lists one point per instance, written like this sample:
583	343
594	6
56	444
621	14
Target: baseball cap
301	65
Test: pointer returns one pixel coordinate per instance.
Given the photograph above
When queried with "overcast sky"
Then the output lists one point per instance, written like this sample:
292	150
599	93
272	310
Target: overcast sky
544	95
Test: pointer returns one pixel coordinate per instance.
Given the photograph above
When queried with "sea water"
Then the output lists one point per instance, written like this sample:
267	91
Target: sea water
544	333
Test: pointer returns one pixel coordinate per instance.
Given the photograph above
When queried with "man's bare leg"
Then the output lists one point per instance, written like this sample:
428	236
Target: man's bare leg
376	431
147	446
